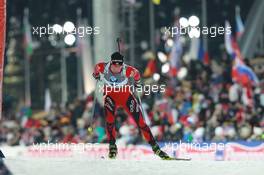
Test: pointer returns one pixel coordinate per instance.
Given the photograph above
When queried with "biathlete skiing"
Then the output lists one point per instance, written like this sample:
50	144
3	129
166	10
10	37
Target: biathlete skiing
116	74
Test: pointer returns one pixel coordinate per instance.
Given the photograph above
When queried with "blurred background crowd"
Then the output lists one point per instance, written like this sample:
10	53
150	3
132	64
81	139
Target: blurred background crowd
207	98
206	106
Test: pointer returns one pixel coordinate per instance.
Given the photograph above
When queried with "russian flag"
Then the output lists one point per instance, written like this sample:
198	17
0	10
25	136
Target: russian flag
176	52
203	55
244	75
239	24
228	40
232	47
241	73
197	51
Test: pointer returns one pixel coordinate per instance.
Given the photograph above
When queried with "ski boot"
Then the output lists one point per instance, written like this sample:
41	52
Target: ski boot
112	151
156	149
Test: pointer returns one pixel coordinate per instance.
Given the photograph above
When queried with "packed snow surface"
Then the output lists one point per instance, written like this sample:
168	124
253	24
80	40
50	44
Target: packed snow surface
85	166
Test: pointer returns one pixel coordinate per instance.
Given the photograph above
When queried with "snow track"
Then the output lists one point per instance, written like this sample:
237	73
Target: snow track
85	166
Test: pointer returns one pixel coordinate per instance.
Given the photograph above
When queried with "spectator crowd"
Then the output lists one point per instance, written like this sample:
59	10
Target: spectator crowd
204	106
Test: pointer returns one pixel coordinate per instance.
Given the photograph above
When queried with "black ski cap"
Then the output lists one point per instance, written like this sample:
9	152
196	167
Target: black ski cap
116	56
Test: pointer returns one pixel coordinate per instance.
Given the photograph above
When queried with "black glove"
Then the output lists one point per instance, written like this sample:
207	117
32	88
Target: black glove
138	84
96	77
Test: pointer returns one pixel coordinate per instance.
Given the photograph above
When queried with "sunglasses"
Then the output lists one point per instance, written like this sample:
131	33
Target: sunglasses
117	63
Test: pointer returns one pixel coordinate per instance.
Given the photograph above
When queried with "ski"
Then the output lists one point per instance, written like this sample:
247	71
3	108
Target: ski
178	158
171	158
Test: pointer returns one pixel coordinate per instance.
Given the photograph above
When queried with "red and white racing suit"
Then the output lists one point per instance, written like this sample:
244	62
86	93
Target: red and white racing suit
123	98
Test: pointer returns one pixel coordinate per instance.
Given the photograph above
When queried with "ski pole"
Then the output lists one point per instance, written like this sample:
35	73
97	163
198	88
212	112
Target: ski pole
140	105
90	129
118	44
